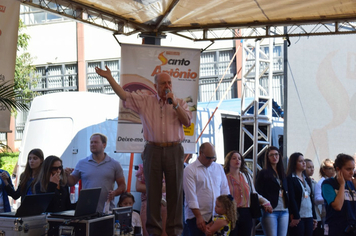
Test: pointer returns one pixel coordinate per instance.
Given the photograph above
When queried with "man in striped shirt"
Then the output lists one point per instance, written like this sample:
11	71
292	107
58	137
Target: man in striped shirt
163	132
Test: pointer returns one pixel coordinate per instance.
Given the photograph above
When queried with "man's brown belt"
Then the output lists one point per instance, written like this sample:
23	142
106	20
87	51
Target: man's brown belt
167	144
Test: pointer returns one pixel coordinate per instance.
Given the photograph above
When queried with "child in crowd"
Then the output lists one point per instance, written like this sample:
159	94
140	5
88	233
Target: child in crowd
224	222
127	199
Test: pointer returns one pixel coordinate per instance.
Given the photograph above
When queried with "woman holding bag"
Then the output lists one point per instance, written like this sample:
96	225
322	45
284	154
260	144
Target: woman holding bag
241	187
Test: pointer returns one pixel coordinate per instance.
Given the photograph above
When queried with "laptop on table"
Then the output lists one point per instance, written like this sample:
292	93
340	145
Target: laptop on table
86	205
31	205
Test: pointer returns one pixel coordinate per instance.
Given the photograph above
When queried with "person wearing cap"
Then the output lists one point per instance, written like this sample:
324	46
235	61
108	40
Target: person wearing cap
162	116
203	181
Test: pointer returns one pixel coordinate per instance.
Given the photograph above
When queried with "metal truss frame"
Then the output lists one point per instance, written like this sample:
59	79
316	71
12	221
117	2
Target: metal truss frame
120	25
262	103
259	32
89	15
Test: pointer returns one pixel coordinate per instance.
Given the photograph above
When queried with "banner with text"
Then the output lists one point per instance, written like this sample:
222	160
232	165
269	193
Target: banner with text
139	64
9	23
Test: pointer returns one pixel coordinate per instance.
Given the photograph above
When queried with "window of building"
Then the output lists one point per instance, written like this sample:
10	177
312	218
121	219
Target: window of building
98	84
20	122
56	78
34	16
213	65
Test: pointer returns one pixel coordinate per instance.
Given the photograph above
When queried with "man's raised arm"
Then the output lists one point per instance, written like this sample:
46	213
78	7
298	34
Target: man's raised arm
71	179
115	86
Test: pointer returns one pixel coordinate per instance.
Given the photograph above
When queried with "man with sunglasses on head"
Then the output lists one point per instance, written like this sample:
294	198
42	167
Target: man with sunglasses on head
99	170
203	181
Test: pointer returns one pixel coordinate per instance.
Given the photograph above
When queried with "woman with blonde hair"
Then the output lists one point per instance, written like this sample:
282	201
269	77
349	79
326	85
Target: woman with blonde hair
225	207
326	171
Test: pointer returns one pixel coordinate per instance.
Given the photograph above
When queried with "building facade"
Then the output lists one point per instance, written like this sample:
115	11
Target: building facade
66	52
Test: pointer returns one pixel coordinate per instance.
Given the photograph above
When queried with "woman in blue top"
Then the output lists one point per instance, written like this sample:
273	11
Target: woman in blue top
340	195
4	200
28	178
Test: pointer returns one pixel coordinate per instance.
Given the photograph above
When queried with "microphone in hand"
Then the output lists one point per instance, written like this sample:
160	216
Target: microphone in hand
169	100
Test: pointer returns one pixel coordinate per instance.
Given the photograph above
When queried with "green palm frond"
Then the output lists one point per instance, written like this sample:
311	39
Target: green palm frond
11	98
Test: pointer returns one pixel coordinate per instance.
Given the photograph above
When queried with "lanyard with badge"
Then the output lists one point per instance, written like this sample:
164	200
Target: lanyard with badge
280	187
306	193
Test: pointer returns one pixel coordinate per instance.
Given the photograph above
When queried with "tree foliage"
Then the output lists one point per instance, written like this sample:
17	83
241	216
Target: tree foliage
23	69
8	161
16	96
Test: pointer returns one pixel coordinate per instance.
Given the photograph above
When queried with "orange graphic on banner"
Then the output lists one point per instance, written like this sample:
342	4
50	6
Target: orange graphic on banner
162	58
175	73
173	53
2	8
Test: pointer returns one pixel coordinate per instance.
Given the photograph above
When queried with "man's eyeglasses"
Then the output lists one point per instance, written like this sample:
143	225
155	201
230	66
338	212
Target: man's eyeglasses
210	158
55	168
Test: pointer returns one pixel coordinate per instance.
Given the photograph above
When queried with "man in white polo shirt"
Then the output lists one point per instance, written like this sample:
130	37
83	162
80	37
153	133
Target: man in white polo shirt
99	170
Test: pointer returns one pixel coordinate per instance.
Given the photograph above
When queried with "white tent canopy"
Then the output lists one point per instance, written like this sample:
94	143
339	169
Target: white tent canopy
160	16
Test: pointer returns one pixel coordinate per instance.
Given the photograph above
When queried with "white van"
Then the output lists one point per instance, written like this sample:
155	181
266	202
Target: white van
61	124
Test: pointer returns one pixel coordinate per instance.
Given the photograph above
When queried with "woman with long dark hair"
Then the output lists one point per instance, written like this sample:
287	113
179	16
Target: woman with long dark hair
28	178
301	206
340	196
271	183
241	186
52	180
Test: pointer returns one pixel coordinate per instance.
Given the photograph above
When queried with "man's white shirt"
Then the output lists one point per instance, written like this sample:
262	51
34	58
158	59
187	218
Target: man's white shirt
202	185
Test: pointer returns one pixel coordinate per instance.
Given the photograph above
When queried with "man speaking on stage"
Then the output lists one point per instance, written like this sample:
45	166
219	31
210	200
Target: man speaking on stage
163	116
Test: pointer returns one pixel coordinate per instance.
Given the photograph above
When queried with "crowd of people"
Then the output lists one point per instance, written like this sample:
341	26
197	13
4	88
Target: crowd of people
291	202
218	200
46	175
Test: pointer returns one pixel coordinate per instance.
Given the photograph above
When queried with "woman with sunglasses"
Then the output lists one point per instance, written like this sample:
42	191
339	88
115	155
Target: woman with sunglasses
52	180
241	186
28	178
